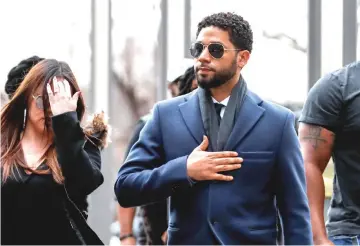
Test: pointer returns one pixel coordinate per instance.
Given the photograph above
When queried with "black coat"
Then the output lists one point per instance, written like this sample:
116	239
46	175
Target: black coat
37	210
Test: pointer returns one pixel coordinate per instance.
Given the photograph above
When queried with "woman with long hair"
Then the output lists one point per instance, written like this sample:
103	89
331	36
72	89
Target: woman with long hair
50	163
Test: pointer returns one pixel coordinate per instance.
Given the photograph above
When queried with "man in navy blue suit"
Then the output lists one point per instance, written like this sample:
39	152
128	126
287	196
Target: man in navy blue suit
228	160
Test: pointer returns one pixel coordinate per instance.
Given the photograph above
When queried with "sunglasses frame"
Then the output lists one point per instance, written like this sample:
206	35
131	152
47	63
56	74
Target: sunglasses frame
36	98
206	46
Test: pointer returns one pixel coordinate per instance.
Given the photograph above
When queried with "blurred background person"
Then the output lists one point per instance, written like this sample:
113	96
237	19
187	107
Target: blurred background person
17	74
49	164
187	82
173	87
175	76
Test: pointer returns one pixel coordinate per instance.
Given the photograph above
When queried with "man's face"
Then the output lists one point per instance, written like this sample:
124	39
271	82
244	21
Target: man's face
212	72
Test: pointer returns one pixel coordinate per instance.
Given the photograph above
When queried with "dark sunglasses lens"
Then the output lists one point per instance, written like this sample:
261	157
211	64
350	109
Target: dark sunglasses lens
39	103
216	50
196	50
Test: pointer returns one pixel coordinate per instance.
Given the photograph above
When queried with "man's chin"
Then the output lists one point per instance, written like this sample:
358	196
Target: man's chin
203	85
208	84
205	82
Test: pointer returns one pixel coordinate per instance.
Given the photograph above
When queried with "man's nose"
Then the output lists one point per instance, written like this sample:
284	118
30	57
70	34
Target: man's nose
204	56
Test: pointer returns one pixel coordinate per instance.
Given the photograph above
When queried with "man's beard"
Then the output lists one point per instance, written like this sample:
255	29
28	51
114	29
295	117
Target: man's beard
218	79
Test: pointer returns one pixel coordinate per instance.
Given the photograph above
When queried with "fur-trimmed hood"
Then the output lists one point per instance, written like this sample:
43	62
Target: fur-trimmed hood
98	128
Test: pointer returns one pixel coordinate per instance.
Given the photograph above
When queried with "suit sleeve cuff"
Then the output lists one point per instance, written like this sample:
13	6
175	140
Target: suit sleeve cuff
191	181
179	168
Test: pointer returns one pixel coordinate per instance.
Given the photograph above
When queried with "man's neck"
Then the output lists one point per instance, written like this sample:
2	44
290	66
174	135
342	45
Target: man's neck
223	91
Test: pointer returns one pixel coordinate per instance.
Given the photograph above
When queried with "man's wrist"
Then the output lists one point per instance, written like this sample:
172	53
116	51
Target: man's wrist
191	180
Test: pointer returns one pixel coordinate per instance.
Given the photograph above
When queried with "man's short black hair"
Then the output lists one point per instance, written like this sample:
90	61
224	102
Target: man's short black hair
239	30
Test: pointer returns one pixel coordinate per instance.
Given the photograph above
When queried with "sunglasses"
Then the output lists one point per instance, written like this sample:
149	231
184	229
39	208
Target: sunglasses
216	50
39	101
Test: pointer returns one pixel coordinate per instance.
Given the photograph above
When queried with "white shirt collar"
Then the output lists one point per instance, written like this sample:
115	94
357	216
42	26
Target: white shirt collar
223	102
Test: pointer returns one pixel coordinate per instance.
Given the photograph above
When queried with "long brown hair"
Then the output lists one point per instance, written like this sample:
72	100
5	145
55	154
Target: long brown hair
13	121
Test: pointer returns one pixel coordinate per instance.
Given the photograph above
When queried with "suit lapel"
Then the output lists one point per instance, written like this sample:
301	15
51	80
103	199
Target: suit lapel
249	114
190	111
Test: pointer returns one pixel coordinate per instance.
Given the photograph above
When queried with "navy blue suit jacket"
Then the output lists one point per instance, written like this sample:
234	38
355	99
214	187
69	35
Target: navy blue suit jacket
242	211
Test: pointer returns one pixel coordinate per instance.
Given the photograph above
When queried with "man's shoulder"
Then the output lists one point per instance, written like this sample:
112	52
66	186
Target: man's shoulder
175	101
341	76
271	108
349	69
278	112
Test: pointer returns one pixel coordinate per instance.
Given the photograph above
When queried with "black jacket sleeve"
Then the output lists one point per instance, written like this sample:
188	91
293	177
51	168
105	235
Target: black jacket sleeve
79	158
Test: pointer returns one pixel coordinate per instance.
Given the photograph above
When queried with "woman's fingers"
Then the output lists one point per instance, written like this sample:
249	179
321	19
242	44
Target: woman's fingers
62	91
49	91
55	85
67	88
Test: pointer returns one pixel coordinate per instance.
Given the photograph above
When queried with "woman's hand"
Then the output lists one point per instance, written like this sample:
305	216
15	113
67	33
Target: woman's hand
60	98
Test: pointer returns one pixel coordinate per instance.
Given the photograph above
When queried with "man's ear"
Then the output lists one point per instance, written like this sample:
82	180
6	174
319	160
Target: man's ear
243	57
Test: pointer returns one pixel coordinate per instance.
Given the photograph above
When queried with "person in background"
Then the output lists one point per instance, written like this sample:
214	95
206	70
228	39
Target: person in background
330	127
17	74
49	162
187	82
173	87
174	76
153	217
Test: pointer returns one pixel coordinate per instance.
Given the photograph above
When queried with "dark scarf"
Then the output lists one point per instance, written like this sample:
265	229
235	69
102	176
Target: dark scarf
218	135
